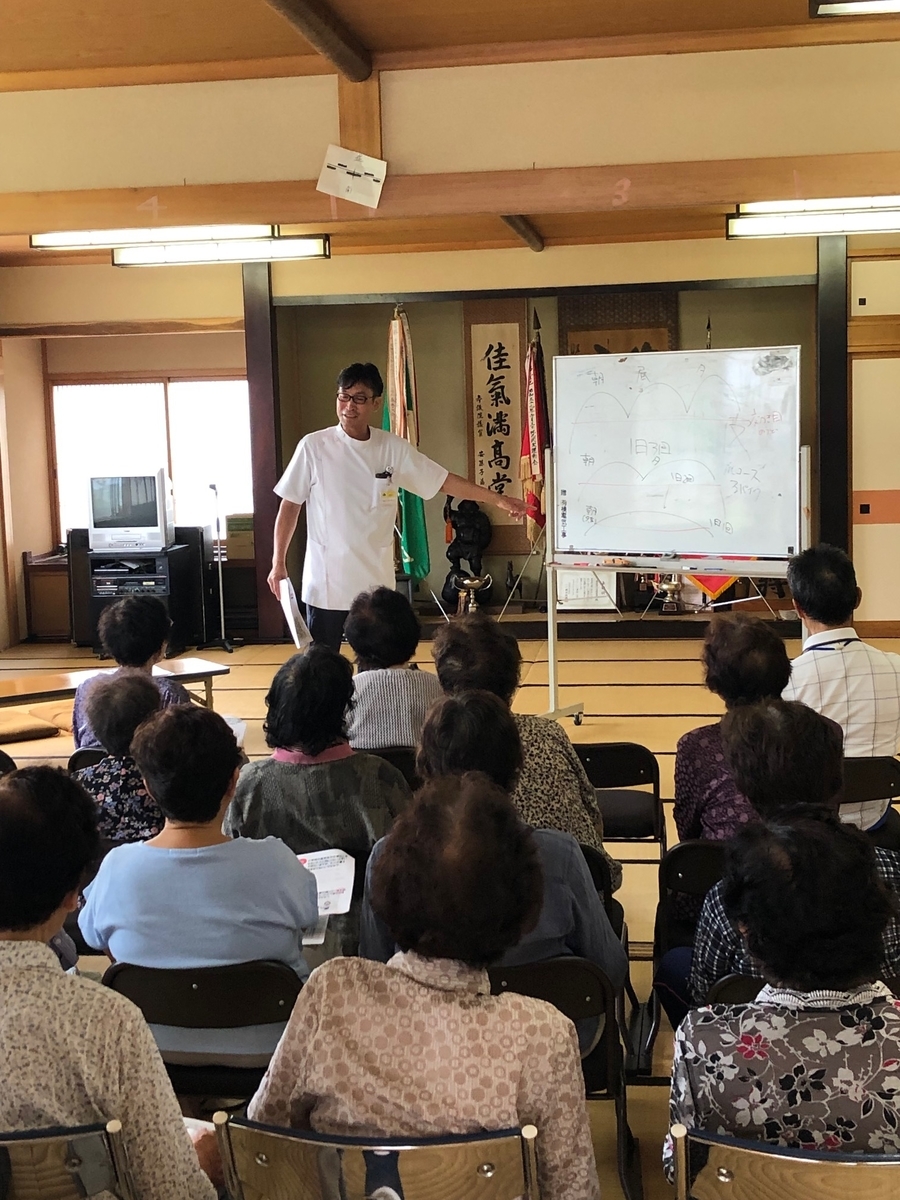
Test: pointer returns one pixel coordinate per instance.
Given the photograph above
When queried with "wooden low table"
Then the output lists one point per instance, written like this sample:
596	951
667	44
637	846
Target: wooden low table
59	684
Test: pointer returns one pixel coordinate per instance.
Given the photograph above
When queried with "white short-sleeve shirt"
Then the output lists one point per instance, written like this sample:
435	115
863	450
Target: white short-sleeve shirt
349	488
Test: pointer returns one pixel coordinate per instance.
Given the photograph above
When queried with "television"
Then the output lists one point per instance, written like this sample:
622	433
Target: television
131	512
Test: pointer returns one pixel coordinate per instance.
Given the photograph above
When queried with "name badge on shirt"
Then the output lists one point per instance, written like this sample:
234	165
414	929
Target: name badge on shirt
388	495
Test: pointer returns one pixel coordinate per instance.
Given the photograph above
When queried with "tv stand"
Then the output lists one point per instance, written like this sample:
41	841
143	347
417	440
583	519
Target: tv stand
100	577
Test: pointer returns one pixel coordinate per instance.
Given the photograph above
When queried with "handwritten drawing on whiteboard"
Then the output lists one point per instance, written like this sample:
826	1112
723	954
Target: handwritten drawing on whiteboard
693	452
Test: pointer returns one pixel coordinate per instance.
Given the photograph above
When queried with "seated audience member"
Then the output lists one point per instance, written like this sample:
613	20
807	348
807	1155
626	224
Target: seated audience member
417	1046
314	793
843	678
475	731
390	695
474	653
191	896
811	1063
784	756
74	1052
745	661
115	706
134	632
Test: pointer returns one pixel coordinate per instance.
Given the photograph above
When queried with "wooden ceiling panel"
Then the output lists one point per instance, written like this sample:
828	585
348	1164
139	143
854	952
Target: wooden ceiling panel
425	24
88	43
56	35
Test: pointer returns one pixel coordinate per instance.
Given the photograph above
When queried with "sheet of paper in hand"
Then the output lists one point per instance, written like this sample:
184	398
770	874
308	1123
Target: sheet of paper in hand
334	871
291	609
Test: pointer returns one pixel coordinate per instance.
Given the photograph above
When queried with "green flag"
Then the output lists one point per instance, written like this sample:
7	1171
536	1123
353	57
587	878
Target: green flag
401	417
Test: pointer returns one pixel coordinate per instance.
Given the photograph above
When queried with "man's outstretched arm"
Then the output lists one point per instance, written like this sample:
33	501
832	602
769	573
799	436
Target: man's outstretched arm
463	489
285	525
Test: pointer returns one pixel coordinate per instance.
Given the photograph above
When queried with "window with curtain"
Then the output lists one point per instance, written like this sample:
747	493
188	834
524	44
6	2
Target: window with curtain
197	429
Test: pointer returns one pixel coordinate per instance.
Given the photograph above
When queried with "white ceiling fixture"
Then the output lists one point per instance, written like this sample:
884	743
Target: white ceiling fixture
277	249
107	239
853	8
815	218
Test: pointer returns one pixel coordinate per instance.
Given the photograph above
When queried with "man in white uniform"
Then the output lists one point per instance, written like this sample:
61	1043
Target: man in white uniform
842	677
348	476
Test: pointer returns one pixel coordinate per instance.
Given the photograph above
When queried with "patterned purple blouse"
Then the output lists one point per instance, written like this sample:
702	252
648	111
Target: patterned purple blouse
127	811
170	692
707	802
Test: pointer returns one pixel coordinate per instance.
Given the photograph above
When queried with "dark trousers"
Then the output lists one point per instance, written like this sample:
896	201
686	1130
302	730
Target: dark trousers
671	984
887	833
326	625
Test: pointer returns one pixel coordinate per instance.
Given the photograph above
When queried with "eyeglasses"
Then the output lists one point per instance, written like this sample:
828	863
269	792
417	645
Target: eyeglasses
360	399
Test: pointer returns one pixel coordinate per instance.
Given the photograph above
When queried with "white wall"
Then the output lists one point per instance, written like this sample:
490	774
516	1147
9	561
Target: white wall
151	136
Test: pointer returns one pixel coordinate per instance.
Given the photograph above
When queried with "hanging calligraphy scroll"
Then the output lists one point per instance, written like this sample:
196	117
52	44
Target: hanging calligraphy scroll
497	411
495	349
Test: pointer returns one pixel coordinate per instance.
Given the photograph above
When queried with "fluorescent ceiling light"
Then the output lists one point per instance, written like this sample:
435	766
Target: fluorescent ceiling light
108	239
812	224
247	250
847	204
852	8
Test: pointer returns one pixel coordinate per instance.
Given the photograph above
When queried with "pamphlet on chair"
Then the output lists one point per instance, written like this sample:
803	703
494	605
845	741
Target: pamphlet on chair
334	871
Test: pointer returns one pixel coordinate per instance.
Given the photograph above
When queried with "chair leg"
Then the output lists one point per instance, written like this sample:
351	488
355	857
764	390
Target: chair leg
628	1151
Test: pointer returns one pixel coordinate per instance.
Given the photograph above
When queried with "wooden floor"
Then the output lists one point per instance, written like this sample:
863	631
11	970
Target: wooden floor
648	691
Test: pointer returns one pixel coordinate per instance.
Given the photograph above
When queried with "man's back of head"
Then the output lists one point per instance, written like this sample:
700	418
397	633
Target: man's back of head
823	586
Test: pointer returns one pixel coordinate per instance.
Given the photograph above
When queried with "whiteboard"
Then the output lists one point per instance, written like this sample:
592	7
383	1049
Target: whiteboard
686	452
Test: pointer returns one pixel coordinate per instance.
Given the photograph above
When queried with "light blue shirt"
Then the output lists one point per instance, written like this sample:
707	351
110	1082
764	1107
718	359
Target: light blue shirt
236	902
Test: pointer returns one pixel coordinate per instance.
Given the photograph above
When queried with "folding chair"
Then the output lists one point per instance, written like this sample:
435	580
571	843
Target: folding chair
870	779
616	770
65	1164
602	880
686	874
404	759
261	1162
708	1165
87	756
734	989
254	993
579	989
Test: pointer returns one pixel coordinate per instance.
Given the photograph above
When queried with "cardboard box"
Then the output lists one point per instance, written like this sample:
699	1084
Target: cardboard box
239	541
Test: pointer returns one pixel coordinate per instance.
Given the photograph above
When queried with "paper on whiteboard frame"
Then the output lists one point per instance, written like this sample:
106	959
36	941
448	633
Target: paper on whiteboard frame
295	623
350	175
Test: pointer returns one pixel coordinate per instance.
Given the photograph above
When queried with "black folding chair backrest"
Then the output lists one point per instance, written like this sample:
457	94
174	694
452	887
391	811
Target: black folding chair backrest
6	763
87	756
617	770
734	989
404	759
619	764
253	993
869	779
686	874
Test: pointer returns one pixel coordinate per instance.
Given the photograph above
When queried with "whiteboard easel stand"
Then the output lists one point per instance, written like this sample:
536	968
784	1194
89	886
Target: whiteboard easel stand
554	713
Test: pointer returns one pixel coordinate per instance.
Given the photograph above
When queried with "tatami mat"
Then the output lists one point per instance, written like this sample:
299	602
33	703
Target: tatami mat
617	700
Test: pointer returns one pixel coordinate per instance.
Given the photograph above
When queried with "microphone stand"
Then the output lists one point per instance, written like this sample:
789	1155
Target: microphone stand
221	642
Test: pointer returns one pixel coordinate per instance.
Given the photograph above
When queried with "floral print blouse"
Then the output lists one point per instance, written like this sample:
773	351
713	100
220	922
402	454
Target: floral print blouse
814	1070
128	813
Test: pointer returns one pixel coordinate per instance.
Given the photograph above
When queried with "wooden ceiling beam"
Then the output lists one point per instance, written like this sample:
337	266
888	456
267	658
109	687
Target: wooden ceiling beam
524	229
327	33
634	45
359	113
622	188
